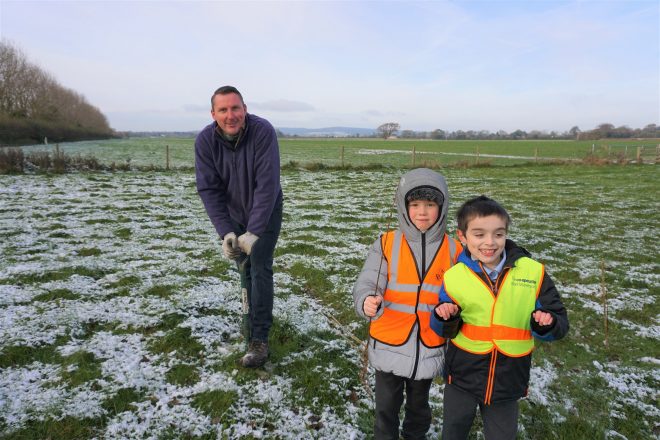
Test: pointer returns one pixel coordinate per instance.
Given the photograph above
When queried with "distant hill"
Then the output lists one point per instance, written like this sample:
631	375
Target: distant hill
327	131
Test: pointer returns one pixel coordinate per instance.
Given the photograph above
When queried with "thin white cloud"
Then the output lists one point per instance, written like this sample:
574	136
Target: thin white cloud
197	108
283	105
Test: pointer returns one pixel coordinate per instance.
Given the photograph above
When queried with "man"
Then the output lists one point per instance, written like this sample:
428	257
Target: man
237	166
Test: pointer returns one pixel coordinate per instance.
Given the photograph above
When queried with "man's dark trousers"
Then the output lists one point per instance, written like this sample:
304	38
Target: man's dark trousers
259	275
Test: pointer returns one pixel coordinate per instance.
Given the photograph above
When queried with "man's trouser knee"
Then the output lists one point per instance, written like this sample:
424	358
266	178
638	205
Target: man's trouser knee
259	275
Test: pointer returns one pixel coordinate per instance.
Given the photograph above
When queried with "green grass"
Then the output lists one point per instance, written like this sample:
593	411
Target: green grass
180	340
311	380
122	400
644	316
90	327
89	252
123	233
79	368
20	355
56	275
127	281
59	234
182	374
323	153
162	291
571	217
302	249
67	428
56	294
215	403
317	285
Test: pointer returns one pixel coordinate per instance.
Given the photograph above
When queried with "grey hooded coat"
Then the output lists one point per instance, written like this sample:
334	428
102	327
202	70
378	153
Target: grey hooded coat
412	359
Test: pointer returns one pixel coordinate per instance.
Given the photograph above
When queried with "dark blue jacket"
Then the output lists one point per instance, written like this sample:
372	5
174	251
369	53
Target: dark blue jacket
240	183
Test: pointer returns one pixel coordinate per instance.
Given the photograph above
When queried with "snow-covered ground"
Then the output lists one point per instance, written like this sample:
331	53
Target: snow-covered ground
81	254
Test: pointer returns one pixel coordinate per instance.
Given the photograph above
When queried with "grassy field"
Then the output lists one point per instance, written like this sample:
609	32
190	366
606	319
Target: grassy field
120	319
360	152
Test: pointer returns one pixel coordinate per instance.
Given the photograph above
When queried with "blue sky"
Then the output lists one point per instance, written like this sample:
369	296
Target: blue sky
454	65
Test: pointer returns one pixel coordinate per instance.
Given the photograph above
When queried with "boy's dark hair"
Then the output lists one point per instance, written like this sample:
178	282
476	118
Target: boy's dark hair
481	206
226	90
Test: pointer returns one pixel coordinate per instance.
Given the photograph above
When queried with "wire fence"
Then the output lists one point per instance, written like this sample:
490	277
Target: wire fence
174	153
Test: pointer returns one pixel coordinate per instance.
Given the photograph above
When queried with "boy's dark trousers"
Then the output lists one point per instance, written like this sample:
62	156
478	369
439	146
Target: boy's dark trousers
389	397
259	274
459	408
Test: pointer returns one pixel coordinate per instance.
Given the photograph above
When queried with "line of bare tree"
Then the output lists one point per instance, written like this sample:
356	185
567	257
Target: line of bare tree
603	131
34	106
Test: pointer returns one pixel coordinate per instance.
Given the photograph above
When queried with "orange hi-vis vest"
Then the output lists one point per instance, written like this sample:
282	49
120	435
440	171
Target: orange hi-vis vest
501	321
407	299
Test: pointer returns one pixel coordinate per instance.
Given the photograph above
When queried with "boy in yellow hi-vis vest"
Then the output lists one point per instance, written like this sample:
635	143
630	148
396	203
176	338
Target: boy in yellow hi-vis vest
493	303
397	291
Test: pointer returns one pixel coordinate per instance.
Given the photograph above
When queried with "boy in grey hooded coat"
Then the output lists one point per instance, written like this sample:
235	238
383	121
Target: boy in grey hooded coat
397	290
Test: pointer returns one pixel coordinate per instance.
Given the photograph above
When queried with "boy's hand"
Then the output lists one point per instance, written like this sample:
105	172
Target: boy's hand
446	310
371	304
543	318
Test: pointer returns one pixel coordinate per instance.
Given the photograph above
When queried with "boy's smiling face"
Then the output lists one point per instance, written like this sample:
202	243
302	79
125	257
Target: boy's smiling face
485	238
423	213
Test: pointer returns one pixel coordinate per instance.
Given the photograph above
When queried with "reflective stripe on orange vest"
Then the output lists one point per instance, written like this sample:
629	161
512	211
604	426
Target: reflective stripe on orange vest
406	300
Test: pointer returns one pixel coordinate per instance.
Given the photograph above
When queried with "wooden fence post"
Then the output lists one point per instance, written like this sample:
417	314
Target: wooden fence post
342	156
167	157
639	154
413	156
657	154
603	289
536	154
477	159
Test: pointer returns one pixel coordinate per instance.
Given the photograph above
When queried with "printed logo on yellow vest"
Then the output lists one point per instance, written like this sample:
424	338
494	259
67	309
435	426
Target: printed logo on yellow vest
524	282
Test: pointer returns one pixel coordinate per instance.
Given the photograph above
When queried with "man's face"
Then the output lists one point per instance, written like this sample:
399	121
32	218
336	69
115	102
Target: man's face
229	112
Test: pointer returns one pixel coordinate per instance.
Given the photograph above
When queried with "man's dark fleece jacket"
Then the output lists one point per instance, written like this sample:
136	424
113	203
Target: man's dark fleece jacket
239	181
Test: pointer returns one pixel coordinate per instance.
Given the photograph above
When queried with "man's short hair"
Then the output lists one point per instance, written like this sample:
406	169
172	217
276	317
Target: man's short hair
226	90
481	206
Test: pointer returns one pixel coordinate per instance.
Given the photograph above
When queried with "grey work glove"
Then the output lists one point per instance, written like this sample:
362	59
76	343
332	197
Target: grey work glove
230	246
246	241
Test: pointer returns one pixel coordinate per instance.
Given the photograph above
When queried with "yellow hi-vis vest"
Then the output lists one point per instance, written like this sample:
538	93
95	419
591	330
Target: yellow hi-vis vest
407	299
501	321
